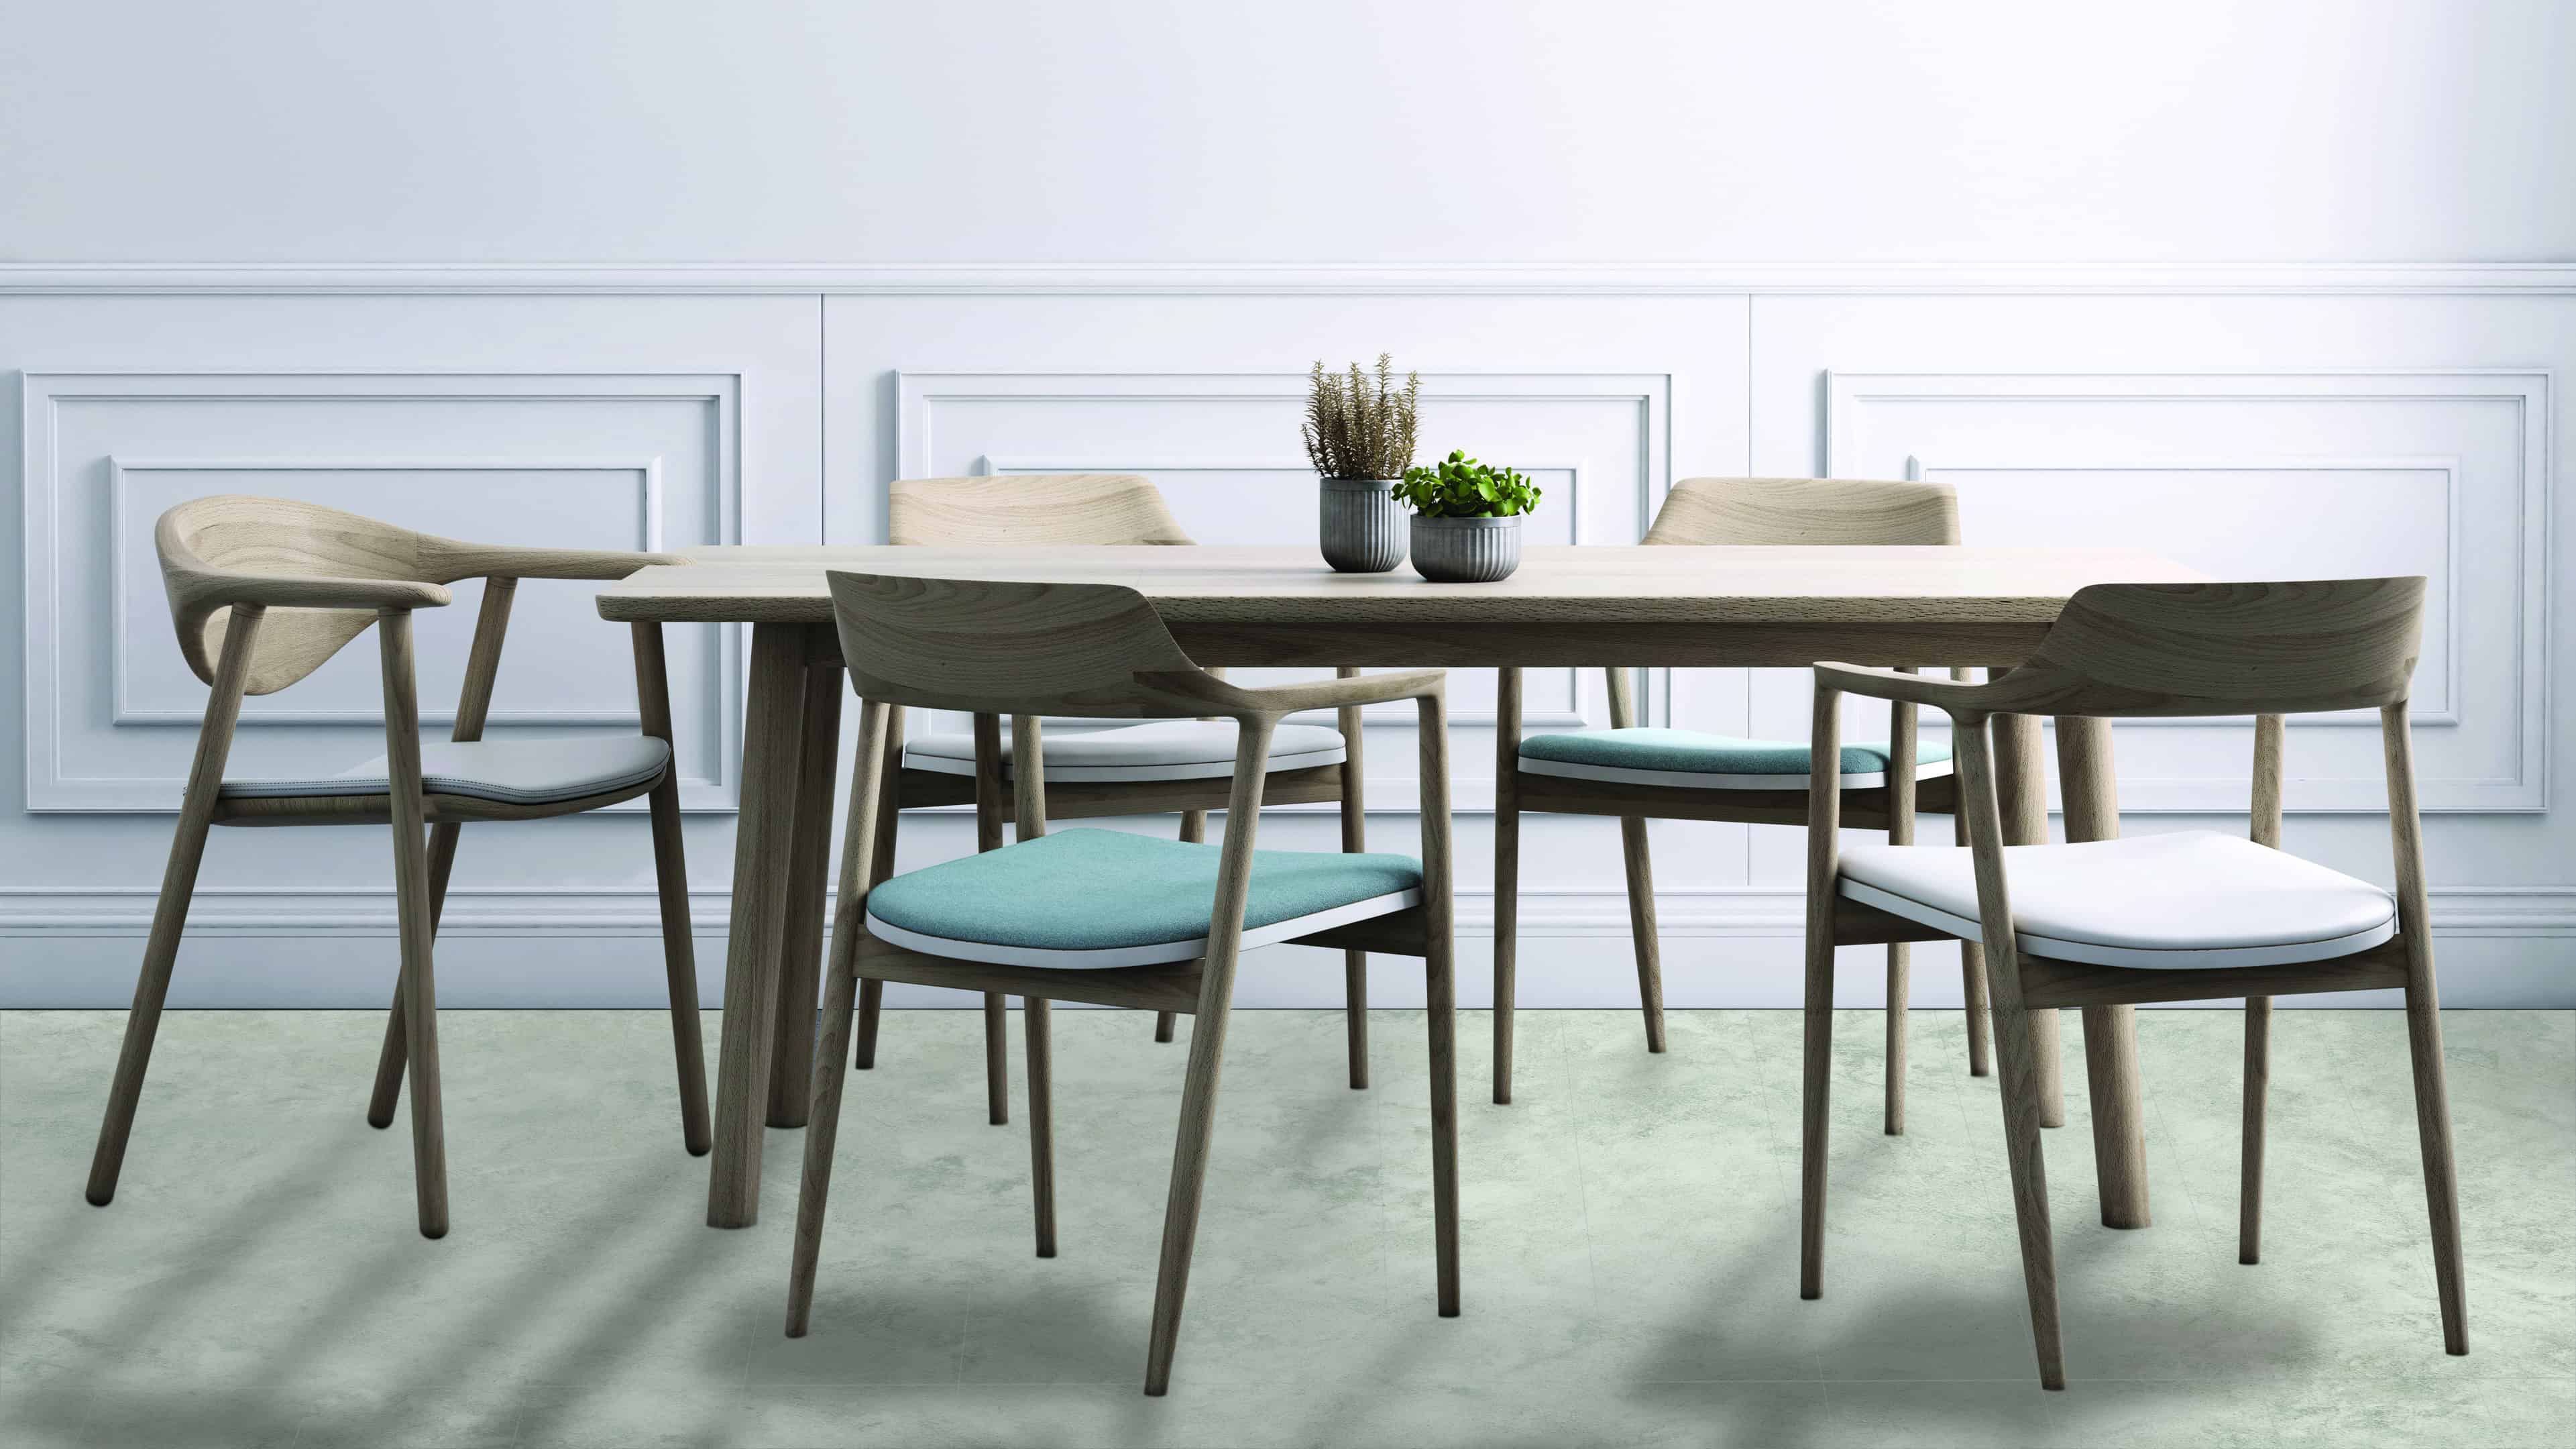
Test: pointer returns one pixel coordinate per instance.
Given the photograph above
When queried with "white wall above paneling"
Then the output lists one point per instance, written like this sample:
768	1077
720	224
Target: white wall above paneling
630	461
1527	131
2272	475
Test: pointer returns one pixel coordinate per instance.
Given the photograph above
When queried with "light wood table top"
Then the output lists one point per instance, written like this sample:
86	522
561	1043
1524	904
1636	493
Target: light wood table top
1556	584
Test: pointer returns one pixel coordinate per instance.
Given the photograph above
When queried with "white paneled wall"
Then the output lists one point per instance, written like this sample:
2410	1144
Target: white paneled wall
2267	421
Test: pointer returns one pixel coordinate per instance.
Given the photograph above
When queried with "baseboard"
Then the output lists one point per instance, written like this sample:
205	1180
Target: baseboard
2498	947
2516	911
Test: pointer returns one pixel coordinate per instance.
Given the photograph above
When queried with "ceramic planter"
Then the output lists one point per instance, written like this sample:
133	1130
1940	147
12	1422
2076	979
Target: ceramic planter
1466	550
1361	528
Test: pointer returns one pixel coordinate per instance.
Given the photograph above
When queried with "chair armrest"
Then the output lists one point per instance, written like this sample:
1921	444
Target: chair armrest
497	560
1235	701
209	591
1946	694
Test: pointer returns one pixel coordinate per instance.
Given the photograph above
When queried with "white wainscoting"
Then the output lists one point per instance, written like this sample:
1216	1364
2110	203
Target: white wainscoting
2252	420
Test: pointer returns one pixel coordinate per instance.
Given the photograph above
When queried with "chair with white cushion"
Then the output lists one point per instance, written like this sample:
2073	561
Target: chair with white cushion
1103	916
2186	916
263	592
1665	774
1168	765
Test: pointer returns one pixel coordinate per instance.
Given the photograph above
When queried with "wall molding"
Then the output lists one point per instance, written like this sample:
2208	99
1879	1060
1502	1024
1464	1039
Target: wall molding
351	911
2440	278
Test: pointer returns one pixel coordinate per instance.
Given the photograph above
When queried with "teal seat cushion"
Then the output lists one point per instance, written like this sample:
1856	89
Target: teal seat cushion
1689	758
1110	898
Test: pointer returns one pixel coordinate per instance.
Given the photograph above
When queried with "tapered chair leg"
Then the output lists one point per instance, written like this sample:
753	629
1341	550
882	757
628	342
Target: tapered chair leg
2258	1081
1824	820
1441	981
2021	1105
1641	927
997	1059
1899	986
822	1132
880	870
1507	871
413	915
394	1055
1207	1052
680	968
170	911
1193	830
1817	1055
2441	1184
1972	987
1041	1122
871	1010
840	1002
1354	818
143	1021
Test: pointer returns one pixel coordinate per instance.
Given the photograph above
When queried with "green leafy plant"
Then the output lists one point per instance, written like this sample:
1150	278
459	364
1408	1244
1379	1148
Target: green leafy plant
1361	426
1461	487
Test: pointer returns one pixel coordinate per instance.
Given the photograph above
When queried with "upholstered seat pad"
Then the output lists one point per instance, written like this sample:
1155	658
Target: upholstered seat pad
1690	759
1172	749
1101	898
2194	898
512	772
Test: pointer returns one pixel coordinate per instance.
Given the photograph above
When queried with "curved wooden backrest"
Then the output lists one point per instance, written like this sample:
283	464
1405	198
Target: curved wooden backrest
1806	510
311	567
204	540
1006	648
2293	647
1020	510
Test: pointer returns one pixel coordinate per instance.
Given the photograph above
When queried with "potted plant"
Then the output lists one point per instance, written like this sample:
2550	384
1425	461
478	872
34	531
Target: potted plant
1359	432
1466	519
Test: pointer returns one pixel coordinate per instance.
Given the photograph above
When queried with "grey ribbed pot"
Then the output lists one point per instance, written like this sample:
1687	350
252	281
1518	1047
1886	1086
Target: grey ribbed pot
1466	550
1361	528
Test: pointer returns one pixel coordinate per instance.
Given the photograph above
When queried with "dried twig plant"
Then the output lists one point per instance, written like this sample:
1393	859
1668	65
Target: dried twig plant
1361	426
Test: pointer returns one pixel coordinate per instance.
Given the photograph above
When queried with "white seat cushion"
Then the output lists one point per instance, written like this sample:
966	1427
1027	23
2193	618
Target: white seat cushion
2192	899
512	772
1172	749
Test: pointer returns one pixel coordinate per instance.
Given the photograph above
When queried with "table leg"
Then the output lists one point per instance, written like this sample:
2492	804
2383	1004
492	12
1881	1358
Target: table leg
763	837
2021	785
2110	1032
800	963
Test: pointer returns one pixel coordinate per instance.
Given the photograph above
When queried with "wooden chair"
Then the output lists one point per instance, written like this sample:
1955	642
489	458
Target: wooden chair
1656	774
263	591
2179	917
1101	916
1178	765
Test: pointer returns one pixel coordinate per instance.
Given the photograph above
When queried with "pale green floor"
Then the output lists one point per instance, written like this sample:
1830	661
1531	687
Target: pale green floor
1630	1246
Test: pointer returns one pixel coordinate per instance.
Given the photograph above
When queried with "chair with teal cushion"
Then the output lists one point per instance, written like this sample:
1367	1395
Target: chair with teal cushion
1689	760
1107	917
1172	766
1640	774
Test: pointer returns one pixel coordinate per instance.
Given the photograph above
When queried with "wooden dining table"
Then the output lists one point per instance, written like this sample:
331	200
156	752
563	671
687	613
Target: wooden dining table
1660	606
